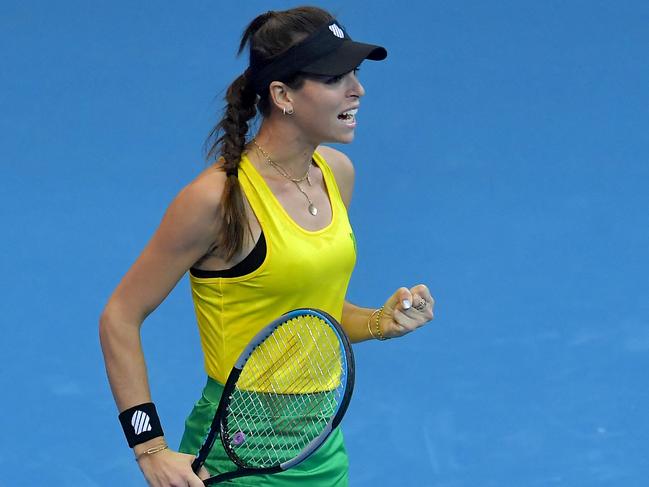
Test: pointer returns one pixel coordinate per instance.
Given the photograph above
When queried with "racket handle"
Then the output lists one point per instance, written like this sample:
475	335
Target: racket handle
196	465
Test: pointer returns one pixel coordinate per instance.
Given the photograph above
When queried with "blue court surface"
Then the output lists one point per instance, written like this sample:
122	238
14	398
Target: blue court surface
501	158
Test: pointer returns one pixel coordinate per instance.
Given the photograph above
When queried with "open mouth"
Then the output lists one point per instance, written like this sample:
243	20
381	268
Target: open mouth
348	116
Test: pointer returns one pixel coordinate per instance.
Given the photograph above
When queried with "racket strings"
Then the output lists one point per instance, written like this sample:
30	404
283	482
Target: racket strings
289	397
269	444
267	378
257	403
278	426
269	382
306	407
278	406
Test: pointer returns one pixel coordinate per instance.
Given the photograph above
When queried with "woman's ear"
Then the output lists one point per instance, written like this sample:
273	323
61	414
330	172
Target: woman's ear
280	94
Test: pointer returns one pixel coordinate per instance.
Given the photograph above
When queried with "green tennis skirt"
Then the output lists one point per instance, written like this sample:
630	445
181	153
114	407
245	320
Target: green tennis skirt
327	467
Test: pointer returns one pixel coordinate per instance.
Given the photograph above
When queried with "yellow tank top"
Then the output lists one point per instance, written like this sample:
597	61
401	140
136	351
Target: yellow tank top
302	269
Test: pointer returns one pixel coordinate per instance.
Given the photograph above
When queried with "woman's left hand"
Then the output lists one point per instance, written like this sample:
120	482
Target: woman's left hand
406	310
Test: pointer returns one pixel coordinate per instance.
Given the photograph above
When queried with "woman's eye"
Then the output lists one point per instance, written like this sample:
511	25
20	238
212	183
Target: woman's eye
336	79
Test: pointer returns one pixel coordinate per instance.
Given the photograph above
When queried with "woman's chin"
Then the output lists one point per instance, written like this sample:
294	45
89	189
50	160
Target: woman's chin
344	138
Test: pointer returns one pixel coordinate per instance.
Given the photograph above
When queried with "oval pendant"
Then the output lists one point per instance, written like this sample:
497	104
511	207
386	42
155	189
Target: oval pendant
313	210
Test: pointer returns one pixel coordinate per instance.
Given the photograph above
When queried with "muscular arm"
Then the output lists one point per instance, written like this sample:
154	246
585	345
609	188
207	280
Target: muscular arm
184	235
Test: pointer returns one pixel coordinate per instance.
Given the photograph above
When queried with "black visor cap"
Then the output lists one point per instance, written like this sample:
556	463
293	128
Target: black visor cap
329	51
348	56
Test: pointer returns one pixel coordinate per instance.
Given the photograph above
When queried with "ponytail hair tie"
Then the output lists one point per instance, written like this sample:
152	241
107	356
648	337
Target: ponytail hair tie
232	172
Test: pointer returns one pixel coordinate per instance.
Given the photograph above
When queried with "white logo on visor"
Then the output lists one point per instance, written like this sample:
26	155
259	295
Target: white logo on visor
337	31
140	422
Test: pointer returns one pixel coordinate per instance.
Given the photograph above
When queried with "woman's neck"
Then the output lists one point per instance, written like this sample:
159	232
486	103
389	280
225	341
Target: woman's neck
284	148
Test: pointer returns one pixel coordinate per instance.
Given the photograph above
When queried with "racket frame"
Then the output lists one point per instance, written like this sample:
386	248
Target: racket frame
219	423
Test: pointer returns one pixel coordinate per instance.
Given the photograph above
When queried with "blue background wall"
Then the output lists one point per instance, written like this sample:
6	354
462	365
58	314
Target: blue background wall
501	158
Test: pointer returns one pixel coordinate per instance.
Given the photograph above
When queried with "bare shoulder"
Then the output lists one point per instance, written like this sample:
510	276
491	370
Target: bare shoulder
206	189
342	168
195	212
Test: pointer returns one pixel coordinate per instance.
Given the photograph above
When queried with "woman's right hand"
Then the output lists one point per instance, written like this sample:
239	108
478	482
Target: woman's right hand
168	468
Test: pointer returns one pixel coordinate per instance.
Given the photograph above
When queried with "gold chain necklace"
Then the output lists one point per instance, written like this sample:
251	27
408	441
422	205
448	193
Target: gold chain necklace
283	172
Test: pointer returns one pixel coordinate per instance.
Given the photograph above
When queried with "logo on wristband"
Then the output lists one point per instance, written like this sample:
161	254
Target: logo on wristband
140	422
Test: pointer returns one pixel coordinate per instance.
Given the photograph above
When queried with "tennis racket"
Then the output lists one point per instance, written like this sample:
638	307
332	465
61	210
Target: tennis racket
285	394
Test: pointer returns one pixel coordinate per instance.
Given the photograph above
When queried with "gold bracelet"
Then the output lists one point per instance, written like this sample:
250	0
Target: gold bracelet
369	323
379	333
151	451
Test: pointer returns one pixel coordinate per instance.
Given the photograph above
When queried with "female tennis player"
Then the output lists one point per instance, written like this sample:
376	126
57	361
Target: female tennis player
263	230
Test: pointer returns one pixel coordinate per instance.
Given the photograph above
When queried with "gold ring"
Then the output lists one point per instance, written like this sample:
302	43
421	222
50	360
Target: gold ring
421	306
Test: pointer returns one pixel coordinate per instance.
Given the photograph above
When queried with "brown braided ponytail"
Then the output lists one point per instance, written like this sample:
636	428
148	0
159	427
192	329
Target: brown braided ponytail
268	35
240	108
